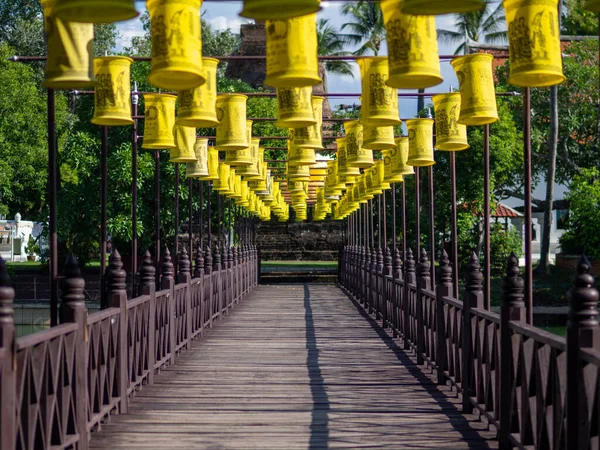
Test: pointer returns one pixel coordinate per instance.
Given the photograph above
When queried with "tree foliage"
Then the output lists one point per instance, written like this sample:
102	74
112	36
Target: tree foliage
365	28
579	21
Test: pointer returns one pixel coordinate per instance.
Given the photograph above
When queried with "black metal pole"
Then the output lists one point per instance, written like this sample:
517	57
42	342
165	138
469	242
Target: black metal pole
218	221
176	240
528	221
394	232
431	227
201	183
134	191
191	217
103	201
229	223
379	221
404	243
418	213
487	271
454	241
52	193
157	216
385	242
209	214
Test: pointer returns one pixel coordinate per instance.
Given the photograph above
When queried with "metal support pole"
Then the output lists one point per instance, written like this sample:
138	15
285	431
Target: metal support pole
418	212
176	237
385	242
134	190
394	239
157	217
431	228
528	221
52	192
103	201
218	220
404	243
209	214
487	271
379	221
191	217
229	223
454	240
201	183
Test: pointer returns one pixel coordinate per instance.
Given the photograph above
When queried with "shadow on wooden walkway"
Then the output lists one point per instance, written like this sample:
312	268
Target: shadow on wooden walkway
295	367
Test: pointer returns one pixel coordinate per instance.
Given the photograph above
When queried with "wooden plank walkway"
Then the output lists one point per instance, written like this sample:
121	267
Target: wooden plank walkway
295	367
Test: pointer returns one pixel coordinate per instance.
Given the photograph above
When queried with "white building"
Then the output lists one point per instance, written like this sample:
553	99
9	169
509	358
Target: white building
14	235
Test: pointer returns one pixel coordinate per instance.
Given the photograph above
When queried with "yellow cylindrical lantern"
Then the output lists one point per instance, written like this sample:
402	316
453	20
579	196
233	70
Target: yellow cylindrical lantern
378	174
96	11
356	154
242	157
185	139
534	38
199	168
478	96
277	10
298	173
260	163
450	135
378	138
295	186
176	44
420	142
342	156
294	107
399	156
213	164
222	182
388	166
379	101
159	121
198	107
310	137
112	96
70	45
301	156
412	48
292	59
251	170
231	114
437	7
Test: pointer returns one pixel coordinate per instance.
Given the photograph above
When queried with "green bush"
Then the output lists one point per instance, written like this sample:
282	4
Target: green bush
503	243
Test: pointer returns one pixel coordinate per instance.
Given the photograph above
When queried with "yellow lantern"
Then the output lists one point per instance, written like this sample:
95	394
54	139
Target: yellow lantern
478	97
379	101
412	48
250	170
420	142
292	59
213	164
294	107
534	38
310	137
298	173
277	10
378	174
112	99
378	138
301	156
295	186
96	11
197	107
260	173
333	180
185	139
342	157
436	7
399	156
159	121
232	130
69	64
356	154
388	166
450	135
199	168
222	183
241	157
176	44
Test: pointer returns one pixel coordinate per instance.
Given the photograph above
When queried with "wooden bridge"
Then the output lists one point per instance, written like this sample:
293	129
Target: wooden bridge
382	360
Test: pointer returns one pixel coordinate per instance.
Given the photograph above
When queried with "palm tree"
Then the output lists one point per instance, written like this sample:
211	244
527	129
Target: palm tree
366	26
488	24
331	43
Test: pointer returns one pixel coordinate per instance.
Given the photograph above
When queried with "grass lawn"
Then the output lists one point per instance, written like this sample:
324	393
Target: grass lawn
561	331
39	265
325	264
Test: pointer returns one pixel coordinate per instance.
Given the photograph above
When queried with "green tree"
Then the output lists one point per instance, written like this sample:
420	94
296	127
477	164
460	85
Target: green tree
331	43
579	21
487	25
365	28
105	38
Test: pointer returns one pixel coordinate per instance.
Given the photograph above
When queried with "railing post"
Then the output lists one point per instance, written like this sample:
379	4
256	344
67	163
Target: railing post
167	281
582	332
147	286
199	275
473	298
8	386
116	296
423	282
397	293
512	308
184	276
73	310
410	277
443	289
217	269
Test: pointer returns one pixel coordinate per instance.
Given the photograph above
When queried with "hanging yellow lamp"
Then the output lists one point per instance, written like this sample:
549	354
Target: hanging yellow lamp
70	47
294	107
449	134
333	176
412	48
478	96
388	174
112	92
231	114
96	11
420	142
199	168
242	157
301	156
310	137
292	59
379	101
251	172
295	186
198	107
176	44
222	183
437	7
378	138
213	164
277	10
356	154
534	37
298	173
399	156
342	157
159	121
185	139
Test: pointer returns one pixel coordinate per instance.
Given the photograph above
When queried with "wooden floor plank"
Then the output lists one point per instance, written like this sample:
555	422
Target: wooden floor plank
295	367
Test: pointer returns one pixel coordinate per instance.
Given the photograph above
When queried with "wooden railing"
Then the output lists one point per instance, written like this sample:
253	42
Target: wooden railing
539	390
59	385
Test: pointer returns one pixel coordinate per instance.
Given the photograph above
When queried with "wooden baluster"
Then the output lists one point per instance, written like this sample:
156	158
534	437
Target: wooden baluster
199	274
8	387
396	293
443	289
512	308
472	298
379	285
73	310
167	281
217	268
410	277
199	262
185	276
582	332
147	286
116	295
423	282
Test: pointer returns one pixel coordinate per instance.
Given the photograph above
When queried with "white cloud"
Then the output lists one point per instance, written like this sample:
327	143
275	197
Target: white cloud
222	23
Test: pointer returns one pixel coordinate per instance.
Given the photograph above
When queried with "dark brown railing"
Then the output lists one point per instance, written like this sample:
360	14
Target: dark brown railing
59	385
539	390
